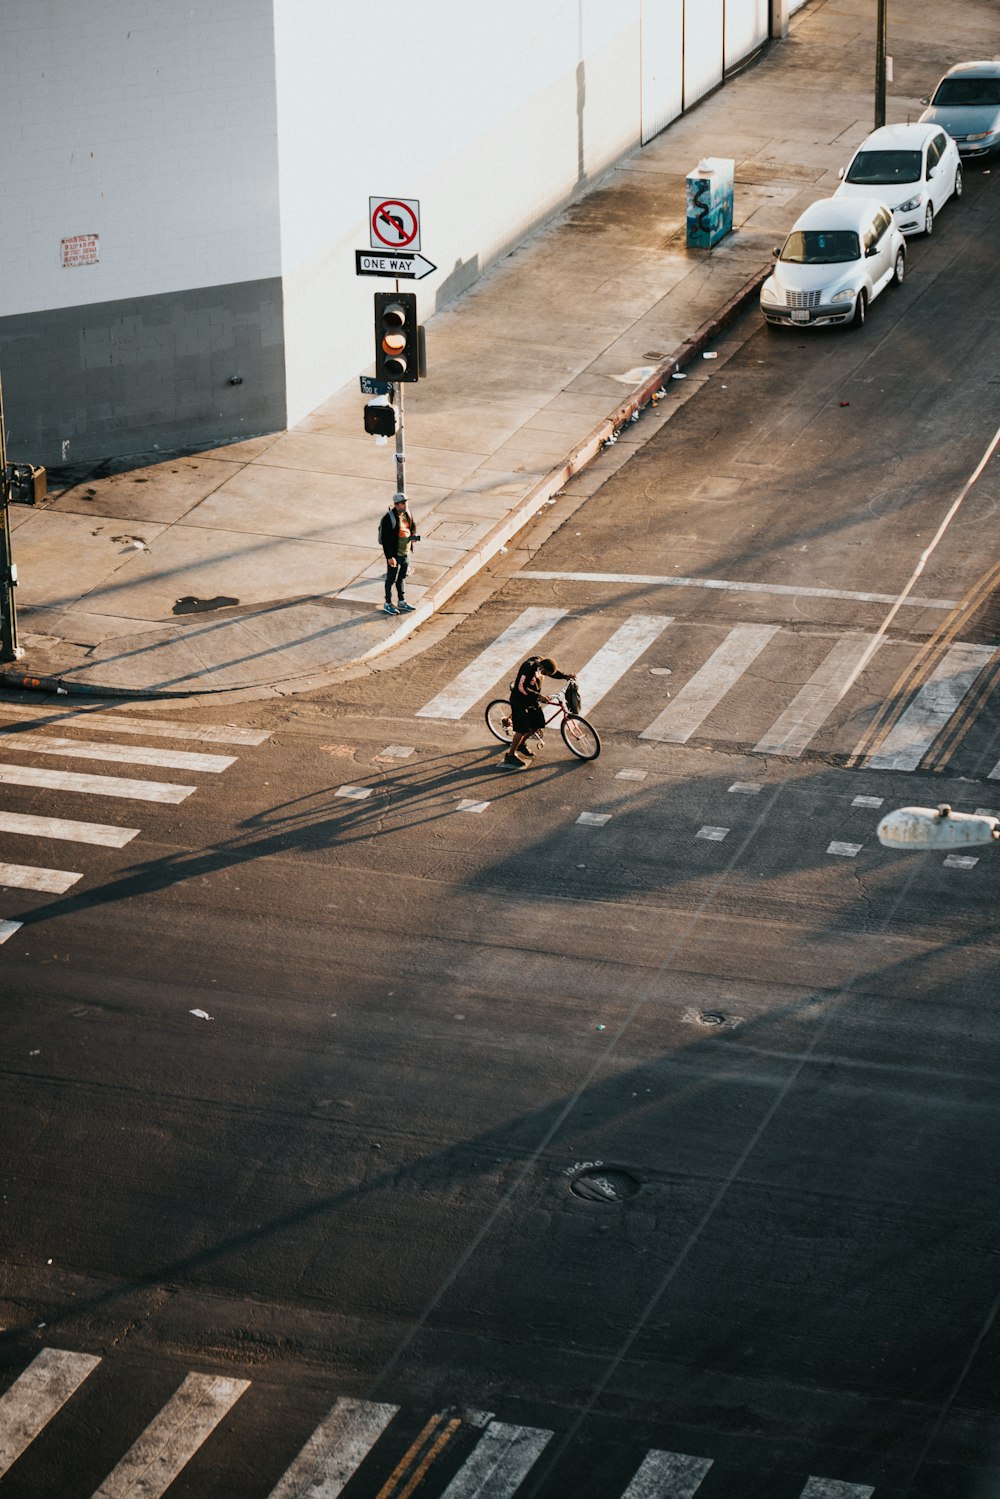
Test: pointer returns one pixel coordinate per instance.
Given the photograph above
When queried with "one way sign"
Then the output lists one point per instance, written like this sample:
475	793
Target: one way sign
404	265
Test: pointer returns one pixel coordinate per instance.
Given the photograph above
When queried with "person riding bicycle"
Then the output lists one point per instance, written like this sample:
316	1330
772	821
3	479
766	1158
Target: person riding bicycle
526	699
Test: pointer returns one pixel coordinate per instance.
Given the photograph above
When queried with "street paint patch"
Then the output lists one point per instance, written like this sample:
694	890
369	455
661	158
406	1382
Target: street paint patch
8	928
867	801
631	775
746	788
672	1474
593	819
466	805
353	793
730	586
395	752
714	835
845	850
960	861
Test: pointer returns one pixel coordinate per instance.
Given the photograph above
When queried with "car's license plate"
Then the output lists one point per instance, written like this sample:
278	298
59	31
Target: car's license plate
800	315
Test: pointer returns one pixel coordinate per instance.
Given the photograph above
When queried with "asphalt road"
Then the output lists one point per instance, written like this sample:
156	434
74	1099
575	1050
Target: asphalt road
302	1088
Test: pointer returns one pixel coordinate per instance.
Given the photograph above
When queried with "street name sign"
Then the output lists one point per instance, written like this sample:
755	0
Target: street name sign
372	387
403	264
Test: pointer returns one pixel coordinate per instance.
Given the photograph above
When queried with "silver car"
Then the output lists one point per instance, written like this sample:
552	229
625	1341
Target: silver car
966	103
913	168
841	254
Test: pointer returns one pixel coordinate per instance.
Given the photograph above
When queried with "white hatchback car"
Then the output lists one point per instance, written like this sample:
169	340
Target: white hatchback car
913	168
841	253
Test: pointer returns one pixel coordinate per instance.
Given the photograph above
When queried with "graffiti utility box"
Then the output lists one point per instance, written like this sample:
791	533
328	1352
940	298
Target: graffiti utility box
709	201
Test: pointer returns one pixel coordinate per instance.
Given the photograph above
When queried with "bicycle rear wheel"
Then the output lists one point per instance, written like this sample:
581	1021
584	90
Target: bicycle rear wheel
498	720
580	737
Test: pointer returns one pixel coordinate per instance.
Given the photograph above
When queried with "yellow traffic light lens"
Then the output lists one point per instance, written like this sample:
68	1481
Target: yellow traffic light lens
394	343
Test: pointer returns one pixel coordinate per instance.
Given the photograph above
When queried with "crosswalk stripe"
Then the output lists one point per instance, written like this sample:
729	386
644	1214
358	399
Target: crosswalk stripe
66	828
7	930
69	780
173	1437
334	1450
627	644
87	749
832	1488
814	702
28	877
912	736
44	1387
498	1463
706	689
668	1475
157	728
503	655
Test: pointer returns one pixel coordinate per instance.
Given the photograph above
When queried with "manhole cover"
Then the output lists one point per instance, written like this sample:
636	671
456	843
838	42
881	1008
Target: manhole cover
711	1017
604	1184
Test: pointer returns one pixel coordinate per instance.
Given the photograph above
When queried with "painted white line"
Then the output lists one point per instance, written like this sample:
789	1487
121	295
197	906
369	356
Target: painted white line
396	752
593	819
44	1387
912	736
87	749
505	654
7	929
668	1475
156	728
333	1452
466	805
845	850
630	641
69	780
867	801
994	774
631	775
728	586
747	788
708	687
960	861
173	1437
354	793
831	1488
499	1462
28	877
66	828
714	835
815	701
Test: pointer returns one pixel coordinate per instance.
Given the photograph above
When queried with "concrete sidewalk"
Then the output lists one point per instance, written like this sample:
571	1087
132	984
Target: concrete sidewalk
256	566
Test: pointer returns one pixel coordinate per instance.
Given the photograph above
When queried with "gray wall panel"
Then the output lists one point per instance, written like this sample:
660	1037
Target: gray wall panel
115	378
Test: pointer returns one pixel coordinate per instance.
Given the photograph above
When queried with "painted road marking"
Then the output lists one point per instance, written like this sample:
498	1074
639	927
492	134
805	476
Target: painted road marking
812	705
86	749
156	728
504	655
831	1488
593	819
845	850
498	1463
354	793
44	1387
729	586
960	861
630	641
66	828
911	737
28	877
332	1454
708	687
173	1437
714	835
68	780
7	929
668	1475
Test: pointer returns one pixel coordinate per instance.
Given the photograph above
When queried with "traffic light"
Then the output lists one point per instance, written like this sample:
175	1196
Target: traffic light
380	418
397	336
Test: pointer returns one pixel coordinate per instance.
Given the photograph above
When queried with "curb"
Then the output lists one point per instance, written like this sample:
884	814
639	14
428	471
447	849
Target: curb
494	541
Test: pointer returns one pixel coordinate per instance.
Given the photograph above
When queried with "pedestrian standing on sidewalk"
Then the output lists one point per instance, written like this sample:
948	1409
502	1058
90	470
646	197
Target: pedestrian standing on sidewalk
397	533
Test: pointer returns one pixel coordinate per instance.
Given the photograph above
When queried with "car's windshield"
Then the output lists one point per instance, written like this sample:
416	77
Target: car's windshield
821	247
885	166
975	92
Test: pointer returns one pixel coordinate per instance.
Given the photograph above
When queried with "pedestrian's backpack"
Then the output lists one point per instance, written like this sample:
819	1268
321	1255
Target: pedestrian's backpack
572	696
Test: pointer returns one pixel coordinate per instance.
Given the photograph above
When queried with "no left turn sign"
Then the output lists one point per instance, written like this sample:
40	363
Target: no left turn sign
395	223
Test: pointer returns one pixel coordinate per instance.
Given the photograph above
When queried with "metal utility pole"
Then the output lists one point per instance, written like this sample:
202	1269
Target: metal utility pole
880	53
397	400
9	649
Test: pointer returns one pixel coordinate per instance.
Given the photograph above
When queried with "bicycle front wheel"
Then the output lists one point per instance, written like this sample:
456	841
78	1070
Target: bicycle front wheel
498	720
580	737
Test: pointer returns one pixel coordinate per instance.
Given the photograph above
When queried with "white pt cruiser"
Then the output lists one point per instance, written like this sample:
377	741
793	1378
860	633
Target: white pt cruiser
840	254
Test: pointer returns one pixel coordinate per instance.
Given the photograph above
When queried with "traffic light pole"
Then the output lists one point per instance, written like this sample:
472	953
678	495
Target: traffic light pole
880	69
9	649
397	398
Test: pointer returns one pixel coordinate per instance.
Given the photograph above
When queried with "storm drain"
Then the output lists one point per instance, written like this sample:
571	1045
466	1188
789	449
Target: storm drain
604	1184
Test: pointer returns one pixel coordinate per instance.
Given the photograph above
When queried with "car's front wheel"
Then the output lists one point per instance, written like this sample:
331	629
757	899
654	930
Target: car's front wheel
860	310
958	181
899	269
929	219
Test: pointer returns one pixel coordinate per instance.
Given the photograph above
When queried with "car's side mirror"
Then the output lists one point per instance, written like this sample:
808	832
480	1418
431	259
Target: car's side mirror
925	101
840	173
776	251
870	251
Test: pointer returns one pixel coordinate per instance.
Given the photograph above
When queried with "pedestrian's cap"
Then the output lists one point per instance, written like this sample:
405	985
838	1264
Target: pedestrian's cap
399	499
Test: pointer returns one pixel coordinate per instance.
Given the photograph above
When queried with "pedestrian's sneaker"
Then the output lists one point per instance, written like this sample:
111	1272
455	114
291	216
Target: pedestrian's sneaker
389	609
404	607
525	750
512	762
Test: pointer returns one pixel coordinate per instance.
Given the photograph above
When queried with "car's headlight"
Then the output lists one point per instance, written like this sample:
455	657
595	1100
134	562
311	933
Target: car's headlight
982	136
847	295
769	293
909	205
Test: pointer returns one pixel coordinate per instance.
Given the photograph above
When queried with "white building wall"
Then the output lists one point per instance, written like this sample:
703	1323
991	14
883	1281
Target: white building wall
150	123
492	115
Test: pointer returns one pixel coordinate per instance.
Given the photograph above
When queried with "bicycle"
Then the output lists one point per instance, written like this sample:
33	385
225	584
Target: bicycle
579	736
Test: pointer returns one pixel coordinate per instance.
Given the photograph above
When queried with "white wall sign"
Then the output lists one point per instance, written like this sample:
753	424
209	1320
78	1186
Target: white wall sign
80	249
